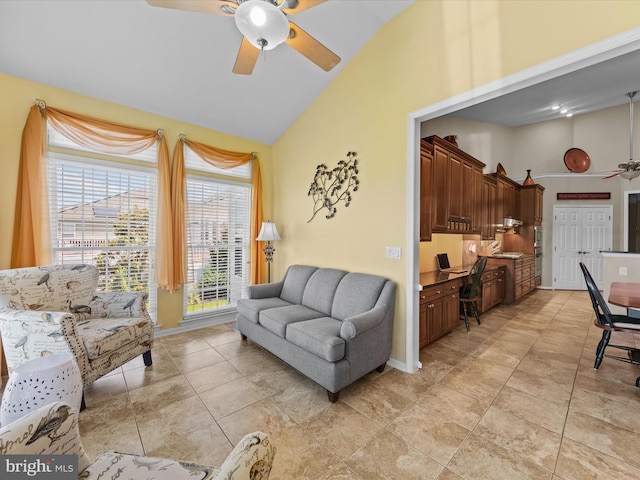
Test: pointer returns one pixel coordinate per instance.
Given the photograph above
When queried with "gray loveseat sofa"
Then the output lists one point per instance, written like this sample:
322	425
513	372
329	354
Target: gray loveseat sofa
333	326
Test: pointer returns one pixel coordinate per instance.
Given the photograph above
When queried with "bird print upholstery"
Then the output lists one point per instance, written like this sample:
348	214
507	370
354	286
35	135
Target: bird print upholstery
53	430
58	309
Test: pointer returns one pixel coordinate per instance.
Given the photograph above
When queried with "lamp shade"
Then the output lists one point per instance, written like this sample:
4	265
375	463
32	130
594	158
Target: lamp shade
264	24
268	232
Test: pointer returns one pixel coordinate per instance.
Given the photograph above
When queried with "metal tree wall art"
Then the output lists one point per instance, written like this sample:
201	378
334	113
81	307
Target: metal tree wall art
330	187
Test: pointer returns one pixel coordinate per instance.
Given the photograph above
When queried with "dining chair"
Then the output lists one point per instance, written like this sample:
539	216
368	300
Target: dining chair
470	290
609	322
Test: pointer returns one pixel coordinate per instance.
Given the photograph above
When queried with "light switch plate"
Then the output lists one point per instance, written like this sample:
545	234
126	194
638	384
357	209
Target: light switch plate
394	253
622	271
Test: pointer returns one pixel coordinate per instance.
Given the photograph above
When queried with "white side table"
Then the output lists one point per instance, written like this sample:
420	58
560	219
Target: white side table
39	382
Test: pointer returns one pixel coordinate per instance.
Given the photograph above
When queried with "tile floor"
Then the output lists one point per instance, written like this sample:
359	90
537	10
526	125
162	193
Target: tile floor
517	398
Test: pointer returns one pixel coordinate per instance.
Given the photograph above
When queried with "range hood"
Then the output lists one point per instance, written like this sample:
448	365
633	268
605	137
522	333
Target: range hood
509	222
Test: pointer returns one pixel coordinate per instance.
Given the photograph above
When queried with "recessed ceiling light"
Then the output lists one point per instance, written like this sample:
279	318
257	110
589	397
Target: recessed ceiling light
555	107
563	111
569	114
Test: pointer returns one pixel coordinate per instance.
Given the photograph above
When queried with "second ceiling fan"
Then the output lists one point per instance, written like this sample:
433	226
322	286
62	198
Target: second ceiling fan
264	26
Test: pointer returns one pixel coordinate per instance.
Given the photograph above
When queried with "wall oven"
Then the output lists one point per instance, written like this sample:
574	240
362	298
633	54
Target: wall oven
537	250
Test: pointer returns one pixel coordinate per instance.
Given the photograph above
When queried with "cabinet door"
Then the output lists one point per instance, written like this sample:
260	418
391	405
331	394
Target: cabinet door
538	207
424	333
451	311
500	289
426	159
488	218
435	320
499	201
486	296
467	192
440	192
456	186
476	207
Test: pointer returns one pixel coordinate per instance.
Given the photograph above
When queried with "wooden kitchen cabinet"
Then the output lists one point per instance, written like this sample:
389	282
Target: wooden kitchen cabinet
426	160
455	188
507	197
488	217
531	197
493	288
439	310
519	277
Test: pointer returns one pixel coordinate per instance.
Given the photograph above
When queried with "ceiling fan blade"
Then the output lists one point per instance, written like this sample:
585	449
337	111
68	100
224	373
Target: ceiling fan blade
217	7
311	48
246	59
300	5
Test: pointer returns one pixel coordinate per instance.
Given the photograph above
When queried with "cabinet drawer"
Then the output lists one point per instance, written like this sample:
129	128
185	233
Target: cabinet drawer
431	293
487	276
518	275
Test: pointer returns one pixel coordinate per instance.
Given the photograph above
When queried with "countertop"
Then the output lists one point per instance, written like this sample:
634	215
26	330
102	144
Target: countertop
429	279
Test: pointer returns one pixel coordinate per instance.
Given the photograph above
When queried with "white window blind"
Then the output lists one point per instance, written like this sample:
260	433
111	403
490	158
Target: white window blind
103	213
218	229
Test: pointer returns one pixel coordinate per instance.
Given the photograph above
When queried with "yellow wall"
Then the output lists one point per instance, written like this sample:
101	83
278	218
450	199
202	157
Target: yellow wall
428	53
17	96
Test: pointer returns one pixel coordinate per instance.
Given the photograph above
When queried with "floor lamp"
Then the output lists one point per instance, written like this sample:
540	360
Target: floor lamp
268	233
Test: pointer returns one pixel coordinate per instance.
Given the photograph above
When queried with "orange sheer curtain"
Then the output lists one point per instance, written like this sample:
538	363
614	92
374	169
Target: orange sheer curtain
221	159
31	240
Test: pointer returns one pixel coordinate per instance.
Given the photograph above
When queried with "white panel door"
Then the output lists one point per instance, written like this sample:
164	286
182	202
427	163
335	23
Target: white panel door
580	234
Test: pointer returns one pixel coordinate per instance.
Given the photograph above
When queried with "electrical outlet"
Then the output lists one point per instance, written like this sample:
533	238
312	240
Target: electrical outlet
394	253
622	271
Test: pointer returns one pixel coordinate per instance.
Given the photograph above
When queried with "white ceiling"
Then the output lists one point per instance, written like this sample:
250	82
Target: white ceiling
178	63
602	85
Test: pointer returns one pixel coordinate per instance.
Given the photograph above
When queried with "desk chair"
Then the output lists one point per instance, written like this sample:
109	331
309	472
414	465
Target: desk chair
469	292
610	323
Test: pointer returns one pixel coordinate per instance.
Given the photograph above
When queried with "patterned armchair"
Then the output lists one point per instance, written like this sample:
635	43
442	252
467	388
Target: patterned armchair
53	430
57	309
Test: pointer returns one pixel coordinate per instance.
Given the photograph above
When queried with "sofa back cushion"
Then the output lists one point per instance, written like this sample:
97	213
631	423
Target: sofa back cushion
295	280
321	289
357	293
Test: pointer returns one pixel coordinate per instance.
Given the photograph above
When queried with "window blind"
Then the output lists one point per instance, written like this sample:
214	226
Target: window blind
218	229
103	213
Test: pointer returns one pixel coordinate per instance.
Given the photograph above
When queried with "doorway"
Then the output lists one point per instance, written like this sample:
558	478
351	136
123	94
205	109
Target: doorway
632	221
580	234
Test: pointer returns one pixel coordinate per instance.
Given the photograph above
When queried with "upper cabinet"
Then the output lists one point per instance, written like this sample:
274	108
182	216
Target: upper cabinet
488	219
531	204
456	188
507	197
426	160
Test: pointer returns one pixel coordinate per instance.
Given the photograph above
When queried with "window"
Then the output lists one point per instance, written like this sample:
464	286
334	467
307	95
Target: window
102	213
218	213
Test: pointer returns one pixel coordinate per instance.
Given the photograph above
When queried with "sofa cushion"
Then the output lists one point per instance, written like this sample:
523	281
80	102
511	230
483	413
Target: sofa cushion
356	294
250	308
321	288
276	319
320	336
294	282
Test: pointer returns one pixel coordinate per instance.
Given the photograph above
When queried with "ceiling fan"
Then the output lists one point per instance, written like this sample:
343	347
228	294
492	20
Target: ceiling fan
264	25
631	169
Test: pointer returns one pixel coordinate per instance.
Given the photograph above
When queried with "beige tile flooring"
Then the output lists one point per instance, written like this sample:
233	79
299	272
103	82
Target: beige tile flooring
517	398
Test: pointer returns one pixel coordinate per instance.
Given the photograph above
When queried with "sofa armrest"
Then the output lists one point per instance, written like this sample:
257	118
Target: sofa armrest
253	455
33	434
357	324
265	290
118	304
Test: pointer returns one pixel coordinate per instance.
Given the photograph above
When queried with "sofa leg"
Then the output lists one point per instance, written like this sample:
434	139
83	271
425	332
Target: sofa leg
82	404
333	396
243	336
146	357
380	369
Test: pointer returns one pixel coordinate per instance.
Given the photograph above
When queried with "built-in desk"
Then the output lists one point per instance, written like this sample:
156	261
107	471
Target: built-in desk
440	299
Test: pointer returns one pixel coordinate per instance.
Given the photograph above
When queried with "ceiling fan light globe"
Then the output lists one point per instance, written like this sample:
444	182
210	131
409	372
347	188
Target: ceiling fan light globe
262	23
630	174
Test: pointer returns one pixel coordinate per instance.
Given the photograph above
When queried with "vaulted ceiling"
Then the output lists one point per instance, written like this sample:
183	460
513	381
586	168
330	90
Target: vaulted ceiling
178	63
